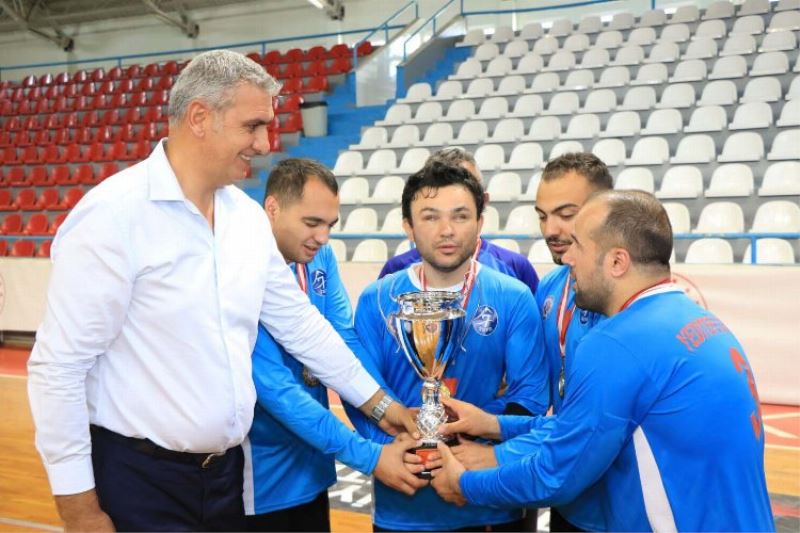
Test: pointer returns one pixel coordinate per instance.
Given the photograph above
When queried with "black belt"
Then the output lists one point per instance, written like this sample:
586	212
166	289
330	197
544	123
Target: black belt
148	447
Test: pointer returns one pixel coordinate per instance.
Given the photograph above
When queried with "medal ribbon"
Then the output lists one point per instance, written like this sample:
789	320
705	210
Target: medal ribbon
302	277
665	285
469	277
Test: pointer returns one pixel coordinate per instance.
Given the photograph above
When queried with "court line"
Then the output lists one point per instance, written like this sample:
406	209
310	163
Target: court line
13	376
29	524
779	416
783	447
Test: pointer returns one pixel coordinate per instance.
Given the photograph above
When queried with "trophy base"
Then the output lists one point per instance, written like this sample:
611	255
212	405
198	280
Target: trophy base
427	448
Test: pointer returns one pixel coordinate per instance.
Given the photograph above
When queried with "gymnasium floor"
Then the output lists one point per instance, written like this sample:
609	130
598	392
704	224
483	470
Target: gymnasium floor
26	504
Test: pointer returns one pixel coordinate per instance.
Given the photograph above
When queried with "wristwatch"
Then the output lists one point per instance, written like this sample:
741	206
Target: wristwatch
380	408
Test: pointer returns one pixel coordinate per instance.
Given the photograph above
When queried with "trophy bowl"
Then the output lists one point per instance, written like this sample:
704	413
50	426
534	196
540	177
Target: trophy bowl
429	327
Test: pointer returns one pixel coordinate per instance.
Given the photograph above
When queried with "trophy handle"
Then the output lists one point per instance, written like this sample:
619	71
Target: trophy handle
389	320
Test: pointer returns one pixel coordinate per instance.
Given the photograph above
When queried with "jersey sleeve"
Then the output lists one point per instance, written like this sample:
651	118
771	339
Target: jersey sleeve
526	366
610	391
370	329
280	394
525	443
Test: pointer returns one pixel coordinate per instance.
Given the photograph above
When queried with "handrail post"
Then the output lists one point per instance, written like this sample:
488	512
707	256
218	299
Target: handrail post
753	254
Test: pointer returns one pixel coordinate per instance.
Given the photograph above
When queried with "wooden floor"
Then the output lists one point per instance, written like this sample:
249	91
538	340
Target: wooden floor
26	504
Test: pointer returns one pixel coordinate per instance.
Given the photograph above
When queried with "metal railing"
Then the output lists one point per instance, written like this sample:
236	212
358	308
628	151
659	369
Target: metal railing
263	44
385	26
431	20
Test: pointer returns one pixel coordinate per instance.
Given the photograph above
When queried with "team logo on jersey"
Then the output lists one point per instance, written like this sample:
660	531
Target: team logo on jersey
584	317
485	320
547	306
319	282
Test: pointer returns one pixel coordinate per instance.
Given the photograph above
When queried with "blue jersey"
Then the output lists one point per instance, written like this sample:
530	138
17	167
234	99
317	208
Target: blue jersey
503	338
508	262
585	510
290	451
663	411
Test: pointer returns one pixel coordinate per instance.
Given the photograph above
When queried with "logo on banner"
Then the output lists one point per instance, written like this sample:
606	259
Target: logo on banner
319	282
485	320
547	306
690	288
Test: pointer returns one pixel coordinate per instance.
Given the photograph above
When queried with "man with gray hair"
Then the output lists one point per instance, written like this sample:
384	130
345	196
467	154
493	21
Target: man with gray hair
140	379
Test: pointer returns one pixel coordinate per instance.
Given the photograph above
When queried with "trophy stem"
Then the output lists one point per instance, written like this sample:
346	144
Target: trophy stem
431	413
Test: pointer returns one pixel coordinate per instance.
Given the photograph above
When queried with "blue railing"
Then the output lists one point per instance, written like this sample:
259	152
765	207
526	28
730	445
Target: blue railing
385	26
431	20
539	8
119	59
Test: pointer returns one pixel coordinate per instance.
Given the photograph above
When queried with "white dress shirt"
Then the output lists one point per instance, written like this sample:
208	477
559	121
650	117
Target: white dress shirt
152	318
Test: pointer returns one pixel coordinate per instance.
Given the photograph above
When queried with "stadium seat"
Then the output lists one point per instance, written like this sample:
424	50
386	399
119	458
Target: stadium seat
642	36
561	60
531	31
781	179
785	20
405	135
786	5
361	220
491	220
576	43
610	151
418	92
614	77
595	58
522	220
675	33
565	103
579	79
709	251
428	112
12	224
48	199
678	215
741	44
752	115
622	20
707	118
584	126
628	55
393	221
388	190
685	13
560	28
3	247
545	46
6	200
649	151
494	107
742	146
714	29
663	122
770	251
770	64
779	41
622	124
638	179
600	101
16	177
663	53
370	250
511	85
697	148
677	96
777	216
412	160
539	252
480	87
732	180
26	200
719	10
608	40
530	63
689	70
508	130
381	162
681	182
438	134
486	52
504	187
721	217
545	82
766	89
23	248
57	221
728	67
544	129
457	111
37	225
754	7
564	147
786	145
348	163
339	249
638	99
524	156
514	49
353	191
489	157
71	198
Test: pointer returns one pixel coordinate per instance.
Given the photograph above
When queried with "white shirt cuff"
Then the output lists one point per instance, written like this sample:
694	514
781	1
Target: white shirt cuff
358	390
72	477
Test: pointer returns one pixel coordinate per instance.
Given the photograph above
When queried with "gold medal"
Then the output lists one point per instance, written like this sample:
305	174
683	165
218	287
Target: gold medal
309	379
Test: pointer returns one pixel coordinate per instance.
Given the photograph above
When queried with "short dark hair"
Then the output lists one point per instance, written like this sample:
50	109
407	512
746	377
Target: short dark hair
288	178
637	222
586	164
452	155
435	175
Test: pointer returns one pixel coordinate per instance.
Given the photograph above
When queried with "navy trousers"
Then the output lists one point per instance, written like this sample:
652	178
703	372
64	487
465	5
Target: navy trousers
142	492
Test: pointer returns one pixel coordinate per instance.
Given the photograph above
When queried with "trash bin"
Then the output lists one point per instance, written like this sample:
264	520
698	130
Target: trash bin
315	118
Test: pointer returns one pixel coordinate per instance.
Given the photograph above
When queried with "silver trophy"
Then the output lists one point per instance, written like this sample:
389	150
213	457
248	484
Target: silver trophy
429	328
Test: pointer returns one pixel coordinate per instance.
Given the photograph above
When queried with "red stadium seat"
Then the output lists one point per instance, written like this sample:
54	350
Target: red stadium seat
160	97
98	74
316	85
113	117
171	67
144	85
106	170
88	88
3	248
52	154
31	123
10	156
136	100
44	249
315	68
32	156
16	177
293	55
116	73
12	224
152	70
273	69
107	87
38	177
104	134
72	120
117	101
49	199
71	197
38	224
85	175
71	91
293	123
140	150
166	82
62	78
29	81
255	56
123	86
26	107
46	80
364	49
127	133
6	201
98	152
53	91
34	93
57	221
292	86
44	106
154	114
23	138
340	65
43	138
289	104
13	124
73	153
291	70
119	152
316	52
339	50
5	139
6	108
147	132
23	248
53	122
84	135
133	71
272	57
26	200
59	175
18	95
